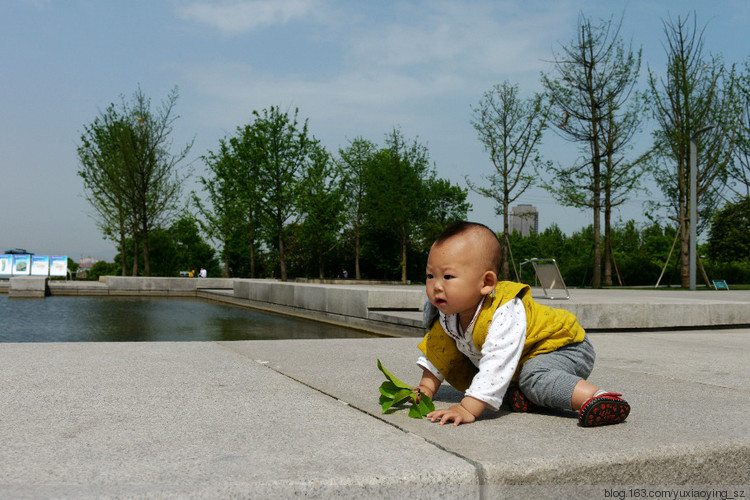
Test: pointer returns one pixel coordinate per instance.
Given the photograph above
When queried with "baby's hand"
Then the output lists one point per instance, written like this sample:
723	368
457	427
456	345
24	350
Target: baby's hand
456	413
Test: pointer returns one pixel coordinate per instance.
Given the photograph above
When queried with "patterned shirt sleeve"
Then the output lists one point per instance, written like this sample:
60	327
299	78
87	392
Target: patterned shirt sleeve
423	362
500	354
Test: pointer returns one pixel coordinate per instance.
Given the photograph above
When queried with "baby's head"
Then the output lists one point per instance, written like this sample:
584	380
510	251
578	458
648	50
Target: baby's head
462	267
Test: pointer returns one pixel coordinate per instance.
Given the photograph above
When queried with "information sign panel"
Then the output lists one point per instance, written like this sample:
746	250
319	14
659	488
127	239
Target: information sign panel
39	265
21	265
58	265
6	264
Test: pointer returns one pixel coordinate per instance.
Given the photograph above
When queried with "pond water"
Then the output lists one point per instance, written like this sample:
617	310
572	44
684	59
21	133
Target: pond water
138	319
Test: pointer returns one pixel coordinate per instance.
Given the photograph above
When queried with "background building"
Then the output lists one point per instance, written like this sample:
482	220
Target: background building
524	218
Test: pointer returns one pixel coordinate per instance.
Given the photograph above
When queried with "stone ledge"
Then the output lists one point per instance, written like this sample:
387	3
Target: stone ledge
28	287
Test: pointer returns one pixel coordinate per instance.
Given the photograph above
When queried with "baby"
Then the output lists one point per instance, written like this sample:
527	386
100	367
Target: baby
491	340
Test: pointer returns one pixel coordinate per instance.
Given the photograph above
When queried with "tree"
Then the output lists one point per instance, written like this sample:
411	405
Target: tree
739	169
396	195
126	161
279	147
105	178
321	205
354	162
594	76
188	249
510	128
157	186
696	92
446	203
220	219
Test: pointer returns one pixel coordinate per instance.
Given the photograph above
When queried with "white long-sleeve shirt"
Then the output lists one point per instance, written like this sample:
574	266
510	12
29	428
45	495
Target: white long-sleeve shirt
498	359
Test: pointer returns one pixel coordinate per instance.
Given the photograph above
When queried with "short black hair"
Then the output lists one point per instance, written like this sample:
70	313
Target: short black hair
461	227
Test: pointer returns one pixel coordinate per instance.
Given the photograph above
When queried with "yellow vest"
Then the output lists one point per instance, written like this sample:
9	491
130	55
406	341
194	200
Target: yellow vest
547	330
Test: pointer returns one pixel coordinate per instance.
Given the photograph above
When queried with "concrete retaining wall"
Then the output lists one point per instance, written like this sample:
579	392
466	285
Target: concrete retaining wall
28	287
136	285
349	305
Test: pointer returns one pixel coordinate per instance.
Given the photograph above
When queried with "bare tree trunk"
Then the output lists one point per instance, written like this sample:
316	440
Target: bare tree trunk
252	251
607	244
403	255
252	258
596	277
684	229
225	272
282	257
136	251
123	256
357	251
146	259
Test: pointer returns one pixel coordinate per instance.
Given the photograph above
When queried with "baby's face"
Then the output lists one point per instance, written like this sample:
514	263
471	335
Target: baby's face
455	276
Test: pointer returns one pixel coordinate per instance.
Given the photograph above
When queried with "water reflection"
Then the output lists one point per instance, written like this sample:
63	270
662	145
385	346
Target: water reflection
138	319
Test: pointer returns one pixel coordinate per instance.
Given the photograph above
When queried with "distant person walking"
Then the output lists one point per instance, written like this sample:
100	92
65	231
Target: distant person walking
203	272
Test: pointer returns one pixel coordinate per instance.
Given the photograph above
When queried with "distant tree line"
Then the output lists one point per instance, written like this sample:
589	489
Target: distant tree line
277	203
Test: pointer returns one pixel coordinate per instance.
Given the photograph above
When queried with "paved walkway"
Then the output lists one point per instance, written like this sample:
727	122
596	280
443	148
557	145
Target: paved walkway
275	419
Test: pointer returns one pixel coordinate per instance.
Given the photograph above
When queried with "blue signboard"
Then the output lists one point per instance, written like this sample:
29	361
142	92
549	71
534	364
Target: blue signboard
6	264
21	265
58	265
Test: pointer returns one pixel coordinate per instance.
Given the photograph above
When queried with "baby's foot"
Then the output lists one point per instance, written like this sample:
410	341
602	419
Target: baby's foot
603	408
517	400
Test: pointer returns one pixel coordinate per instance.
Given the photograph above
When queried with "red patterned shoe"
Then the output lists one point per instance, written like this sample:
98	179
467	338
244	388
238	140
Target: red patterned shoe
603	409
518	400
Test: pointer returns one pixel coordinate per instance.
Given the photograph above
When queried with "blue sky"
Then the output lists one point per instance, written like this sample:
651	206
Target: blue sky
353	68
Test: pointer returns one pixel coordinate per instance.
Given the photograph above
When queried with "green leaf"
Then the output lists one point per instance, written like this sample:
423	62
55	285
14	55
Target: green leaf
399	398
386	405
392	377
394	392
426	405
389	389
402	396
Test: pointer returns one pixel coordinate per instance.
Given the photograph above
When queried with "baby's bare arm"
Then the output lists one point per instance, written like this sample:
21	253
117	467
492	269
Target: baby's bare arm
429	383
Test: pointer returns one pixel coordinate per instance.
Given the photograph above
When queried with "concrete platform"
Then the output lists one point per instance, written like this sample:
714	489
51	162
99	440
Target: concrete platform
395	310
300	418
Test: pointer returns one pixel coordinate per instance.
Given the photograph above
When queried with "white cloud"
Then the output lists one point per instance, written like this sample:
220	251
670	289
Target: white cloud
489	39
237	89
235	17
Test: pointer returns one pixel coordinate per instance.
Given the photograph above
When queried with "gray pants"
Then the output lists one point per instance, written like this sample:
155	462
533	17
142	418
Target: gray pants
548	379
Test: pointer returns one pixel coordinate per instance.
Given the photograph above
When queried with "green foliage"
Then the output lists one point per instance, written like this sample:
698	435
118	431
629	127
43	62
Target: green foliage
280	150
321	205
640	253
178	248
225	211
102	268
394	392
729	235
130	176
405	206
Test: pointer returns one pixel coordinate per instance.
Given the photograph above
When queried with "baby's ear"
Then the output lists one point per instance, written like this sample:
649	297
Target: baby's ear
489	282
